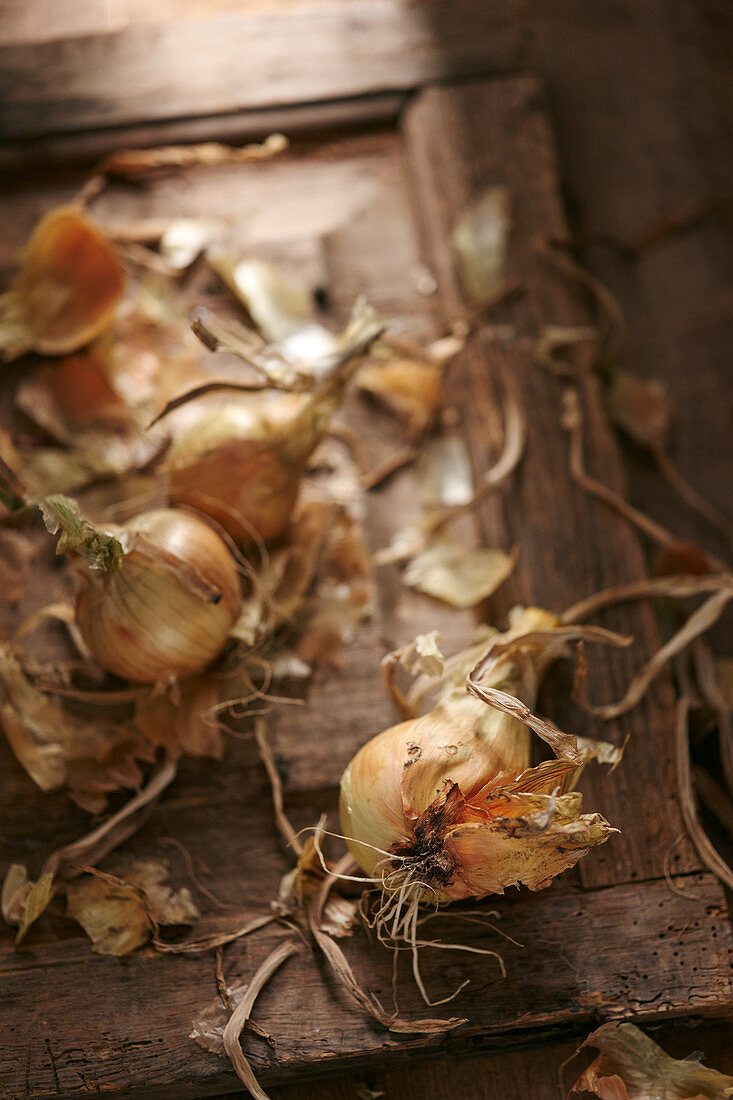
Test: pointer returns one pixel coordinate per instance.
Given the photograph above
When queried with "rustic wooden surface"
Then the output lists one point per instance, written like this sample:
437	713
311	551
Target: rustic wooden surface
641	144
674	139
460	140
251	59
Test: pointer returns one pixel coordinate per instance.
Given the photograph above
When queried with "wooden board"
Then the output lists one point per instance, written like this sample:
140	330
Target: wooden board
300	53
136	1014
669	108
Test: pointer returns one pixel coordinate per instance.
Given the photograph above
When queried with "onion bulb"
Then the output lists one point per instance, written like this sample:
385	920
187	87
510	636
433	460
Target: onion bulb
157	596
243	468
446	806
66	291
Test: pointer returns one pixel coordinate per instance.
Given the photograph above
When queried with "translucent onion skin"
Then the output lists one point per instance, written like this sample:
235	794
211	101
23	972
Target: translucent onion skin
167	611
446	805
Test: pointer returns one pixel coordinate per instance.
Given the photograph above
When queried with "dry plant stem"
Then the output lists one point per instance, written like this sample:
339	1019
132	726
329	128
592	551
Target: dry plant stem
286	830
241	1013
707	853
692	498
684	218
191	872
714	797
699	621
709	688
342	970
216	939
506	290
680	586
201	391
118	828
607	306
128	163
390	465
573	423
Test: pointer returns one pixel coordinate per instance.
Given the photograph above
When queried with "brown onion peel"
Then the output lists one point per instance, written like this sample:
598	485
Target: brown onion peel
446	806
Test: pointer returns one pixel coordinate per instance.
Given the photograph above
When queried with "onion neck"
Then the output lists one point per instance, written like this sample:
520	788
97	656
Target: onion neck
99	549
306	429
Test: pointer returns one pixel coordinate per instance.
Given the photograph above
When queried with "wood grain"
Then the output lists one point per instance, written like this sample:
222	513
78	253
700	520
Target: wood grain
298	54
669	108
643	951
462	139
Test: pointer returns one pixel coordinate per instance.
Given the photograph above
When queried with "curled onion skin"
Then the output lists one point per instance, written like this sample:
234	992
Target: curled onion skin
167	610
67	290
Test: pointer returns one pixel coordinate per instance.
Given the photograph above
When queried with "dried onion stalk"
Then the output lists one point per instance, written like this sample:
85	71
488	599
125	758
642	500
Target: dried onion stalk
242	468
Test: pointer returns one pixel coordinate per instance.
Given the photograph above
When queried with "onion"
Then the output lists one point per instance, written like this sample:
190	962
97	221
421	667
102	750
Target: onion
157	596
66	291
446	806
243	468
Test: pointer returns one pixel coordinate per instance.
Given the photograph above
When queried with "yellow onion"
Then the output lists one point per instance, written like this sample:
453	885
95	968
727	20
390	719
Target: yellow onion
66	291
446	806
242	467
157	596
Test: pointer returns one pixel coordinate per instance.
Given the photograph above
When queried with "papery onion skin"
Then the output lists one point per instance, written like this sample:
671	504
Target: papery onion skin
66	292
143	621
232	466
372	804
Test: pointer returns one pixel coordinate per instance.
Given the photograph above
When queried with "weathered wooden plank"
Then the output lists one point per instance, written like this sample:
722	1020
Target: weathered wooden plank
586	955
508	1074
669	107
460	140
87	147
299	54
